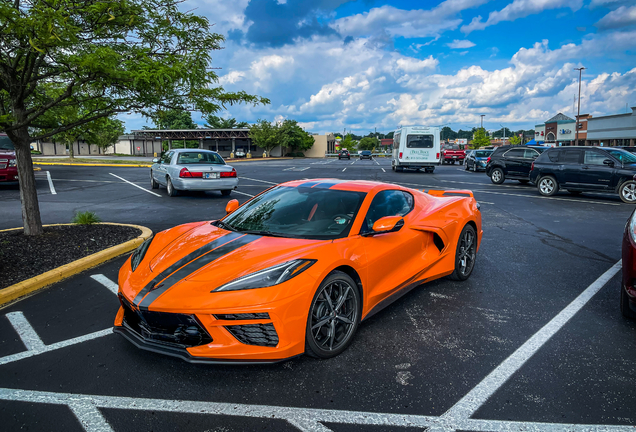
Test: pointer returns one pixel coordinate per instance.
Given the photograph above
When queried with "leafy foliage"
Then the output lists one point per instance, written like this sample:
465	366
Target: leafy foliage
481	139
85	218
348	143
214	122
268	135
297	138
174	119
367	143
515	139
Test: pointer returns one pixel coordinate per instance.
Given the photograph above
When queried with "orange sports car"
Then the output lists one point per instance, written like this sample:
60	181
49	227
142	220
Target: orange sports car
294	270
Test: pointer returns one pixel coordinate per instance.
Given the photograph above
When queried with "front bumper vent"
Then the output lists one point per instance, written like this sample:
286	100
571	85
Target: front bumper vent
179	330
243	316
255	334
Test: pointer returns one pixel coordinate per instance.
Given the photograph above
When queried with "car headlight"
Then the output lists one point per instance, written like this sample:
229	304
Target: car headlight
13	162
632	227
269	277
139	253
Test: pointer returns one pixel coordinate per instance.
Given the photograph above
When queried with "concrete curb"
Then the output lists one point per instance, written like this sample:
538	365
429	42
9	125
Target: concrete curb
25	287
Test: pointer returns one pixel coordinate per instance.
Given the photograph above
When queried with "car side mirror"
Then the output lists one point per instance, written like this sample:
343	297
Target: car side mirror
608	162
155	160
231	206
387	224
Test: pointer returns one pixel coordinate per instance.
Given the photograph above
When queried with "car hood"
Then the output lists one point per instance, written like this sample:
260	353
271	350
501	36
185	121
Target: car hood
207	257
4	152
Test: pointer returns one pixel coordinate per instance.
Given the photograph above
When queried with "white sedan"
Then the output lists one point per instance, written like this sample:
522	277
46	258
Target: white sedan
193	170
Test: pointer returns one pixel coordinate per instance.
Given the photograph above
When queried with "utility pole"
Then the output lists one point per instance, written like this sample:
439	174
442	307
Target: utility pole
504	133
578	112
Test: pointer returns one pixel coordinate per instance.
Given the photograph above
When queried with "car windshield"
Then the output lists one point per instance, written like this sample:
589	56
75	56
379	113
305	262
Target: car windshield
5	143
189	158
483	153
451	147
622	155
366	152
298	212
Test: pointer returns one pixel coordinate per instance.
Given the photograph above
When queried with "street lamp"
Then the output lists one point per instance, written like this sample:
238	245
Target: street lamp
578	112
504	133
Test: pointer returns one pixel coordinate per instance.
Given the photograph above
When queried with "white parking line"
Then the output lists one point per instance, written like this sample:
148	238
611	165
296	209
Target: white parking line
262	181
243	193
112	286
48	177
470	403
137	186
344	169
383	170
352	162
289	169
23	328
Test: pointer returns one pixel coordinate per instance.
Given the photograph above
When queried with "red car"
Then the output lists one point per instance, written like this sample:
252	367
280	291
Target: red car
451	153
8	165
628	289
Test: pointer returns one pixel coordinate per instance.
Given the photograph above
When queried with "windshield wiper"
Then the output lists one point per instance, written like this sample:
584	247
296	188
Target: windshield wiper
225	225
270	234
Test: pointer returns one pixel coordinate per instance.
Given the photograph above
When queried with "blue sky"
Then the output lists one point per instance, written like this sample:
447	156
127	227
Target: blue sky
362	65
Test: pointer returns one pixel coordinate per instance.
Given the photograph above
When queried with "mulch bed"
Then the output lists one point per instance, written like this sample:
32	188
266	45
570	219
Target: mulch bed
23	257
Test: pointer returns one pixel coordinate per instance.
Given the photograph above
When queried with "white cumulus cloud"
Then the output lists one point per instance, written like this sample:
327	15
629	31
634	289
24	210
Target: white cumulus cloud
460	44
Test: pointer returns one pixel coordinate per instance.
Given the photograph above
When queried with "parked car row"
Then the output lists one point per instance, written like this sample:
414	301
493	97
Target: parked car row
575	169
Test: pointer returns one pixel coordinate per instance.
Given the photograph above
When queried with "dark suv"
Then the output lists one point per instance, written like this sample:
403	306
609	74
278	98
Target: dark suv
344	154
586	169
512	162
366	154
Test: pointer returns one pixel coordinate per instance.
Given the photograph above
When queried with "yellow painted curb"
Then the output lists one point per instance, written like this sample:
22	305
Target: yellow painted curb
141	165
23	288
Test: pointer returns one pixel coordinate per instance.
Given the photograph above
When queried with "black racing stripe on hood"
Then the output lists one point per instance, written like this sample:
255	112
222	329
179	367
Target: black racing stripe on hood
183	261
308	184
329	184
195	265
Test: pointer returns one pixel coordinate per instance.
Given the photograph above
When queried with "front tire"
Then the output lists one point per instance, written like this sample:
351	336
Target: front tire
627	192
497	176
547	186
475	167
465	254
170	187
333	316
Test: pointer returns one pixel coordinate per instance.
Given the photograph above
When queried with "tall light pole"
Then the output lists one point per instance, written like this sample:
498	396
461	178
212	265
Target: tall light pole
578	111
482	120
504	132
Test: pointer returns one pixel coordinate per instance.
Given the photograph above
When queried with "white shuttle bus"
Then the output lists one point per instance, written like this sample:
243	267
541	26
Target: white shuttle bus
416	147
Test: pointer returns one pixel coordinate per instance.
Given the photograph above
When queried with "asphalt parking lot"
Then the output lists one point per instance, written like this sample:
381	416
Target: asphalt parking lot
534	340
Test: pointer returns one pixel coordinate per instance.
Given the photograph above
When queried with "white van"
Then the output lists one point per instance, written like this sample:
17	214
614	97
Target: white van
416	147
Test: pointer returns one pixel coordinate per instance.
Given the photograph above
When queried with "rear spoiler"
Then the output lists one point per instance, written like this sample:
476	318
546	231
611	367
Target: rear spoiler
449	193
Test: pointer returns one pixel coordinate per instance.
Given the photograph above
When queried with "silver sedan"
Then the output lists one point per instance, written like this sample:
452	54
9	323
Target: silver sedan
192	170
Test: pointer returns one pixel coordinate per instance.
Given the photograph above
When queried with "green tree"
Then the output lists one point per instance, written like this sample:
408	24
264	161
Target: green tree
214	122
348	143
500	133
515	140
390	135
104	132
481	139
267	135
368	143
447	134
174	119
297	138
110	55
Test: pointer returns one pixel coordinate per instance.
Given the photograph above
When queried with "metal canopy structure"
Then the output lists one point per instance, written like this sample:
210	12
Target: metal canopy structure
191	134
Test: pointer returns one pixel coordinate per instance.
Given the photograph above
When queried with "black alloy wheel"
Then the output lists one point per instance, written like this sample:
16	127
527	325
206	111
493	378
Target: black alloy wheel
333	316
465	254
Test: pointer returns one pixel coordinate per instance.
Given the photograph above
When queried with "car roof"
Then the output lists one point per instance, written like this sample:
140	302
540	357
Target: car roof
192	150
347	185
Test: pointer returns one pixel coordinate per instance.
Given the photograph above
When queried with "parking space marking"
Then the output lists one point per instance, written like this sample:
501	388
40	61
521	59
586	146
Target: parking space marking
87	181
257	180
112	286
344	169
23	328
243	193
305	419
137	186
89	417
48	177
470	403
30	339
383	170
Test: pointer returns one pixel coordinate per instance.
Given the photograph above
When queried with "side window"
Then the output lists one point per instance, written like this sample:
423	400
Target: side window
515	153
387	203
569	157
553	155
592	157
530	154
166	157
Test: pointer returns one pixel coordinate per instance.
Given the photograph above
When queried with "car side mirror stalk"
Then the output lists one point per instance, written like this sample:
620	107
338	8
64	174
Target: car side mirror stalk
386	224
231	206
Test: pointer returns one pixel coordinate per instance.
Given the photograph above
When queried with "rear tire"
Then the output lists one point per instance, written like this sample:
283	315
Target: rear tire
625	309
170	187
461	162
330	328
547	185
497	176
466	167
226	192
465	254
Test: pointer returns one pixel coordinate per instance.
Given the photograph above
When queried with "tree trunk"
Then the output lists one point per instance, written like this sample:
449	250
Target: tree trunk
71	156
28	193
